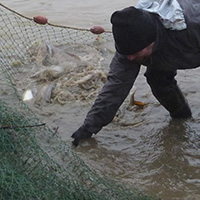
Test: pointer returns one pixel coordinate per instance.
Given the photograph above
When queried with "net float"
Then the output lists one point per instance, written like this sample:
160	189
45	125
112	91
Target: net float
97	29
40	19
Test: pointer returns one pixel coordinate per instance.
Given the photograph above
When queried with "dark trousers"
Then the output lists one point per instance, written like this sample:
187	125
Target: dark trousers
164	87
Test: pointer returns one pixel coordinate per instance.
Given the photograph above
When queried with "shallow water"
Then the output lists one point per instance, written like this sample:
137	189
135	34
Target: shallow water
156	154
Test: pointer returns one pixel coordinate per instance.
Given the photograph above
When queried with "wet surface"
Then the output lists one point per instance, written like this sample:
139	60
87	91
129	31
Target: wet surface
144	147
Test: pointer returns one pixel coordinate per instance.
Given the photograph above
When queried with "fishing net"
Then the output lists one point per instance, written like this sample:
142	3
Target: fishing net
34	162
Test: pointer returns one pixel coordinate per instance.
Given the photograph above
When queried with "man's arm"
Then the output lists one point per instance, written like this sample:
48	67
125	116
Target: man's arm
121	78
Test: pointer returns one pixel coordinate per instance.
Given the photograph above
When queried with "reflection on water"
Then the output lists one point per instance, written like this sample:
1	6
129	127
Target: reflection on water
163	162
175	168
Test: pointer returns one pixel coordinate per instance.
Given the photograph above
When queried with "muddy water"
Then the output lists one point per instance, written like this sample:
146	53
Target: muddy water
144	148
71	13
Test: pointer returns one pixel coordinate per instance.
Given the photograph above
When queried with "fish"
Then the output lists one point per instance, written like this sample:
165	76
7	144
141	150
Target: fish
44	94
132	100
49	74
46	54
90	80
59	75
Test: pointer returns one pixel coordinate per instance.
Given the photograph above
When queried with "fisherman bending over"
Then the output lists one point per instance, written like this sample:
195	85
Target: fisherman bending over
163	35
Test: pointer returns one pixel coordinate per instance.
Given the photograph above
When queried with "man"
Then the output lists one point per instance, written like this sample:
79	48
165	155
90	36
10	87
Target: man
145	37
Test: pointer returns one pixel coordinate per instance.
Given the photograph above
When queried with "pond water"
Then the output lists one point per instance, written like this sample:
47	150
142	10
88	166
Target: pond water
144	148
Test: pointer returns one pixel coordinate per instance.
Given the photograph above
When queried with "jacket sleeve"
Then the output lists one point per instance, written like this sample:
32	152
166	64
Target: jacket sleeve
121	78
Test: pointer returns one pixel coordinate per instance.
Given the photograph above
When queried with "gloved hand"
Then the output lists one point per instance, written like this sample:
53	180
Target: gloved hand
80	134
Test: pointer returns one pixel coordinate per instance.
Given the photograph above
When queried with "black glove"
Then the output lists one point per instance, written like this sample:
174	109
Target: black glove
80	134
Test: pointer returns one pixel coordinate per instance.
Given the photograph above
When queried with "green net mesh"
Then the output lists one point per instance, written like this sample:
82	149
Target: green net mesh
34	162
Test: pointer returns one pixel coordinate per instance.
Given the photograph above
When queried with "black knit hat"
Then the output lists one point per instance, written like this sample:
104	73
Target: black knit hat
133	30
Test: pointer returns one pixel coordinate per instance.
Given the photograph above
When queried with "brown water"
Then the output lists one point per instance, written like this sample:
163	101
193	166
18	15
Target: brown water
71	13
156	154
